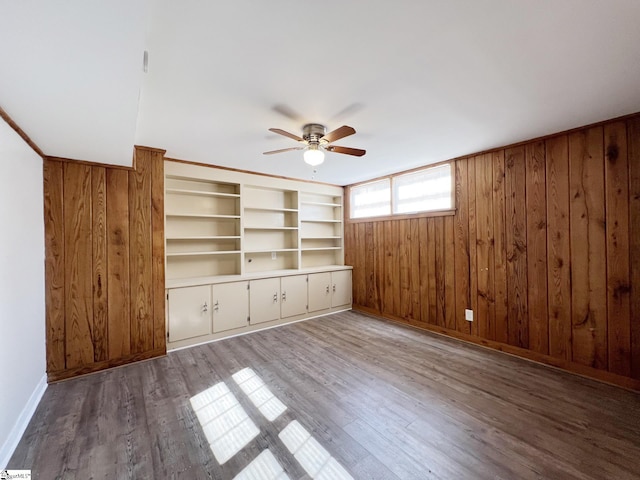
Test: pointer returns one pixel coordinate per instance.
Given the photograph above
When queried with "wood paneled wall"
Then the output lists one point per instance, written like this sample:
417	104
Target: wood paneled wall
104	264
544	247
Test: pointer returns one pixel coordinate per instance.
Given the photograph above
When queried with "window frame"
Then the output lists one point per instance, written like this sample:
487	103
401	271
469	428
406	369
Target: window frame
400	216
364	184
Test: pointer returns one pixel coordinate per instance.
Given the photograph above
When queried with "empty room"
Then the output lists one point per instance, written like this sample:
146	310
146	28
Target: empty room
336	240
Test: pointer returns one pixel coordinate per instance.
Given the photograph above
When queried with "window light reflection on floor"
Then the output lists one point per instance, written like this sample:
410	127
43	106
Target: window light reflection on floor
263	467
259	394
312	456
224	422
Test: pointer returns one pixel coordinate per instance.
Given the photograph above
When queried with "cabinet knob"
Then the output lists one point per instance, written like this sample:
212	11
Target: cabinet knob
205	307
327	288
284	296
334	287
216	306
275	298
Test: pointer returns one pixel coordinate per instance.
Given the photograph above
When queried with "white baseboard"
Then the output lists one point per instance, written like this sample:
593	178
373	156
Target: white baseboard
13	438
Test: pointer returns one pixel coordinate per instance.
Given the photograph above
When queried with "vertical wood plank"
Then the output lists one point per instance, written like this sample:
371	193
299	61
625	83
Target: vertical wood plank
404	260
558	247
53	177
462	271
370	265
349	246
389	268
431	255
425	277
618	276
140	252
78	265
473	234
485	255
379	249
633	151
500	247
118	293
449	274
157	250
415	270
588	244
359	270
536	225
516	247
439	271
395	270
100	264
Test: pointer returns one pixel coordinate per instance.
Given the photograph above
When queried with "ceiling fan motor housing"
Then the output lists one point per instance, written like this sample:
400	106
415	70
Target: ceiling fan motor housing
313	132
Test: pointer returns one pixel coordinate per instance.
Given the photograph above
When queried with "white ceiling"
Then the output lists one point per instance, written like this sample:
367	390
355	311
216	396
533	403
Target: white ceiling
421	81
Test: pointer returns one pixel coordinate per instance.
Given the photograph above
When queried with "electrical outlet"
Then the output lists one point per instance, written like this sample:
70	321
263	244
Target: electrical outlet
468	315
273	255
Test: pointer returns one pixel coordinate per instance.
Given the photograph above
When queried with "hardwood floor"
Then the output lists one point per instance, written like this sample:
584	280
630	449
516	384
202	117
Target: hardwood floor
386	401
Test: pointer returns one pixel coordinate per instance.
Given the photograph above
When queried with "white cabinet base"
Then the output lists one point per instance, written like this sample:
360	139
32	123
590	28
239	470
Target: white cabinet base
189	312
293	296
232	304
264	300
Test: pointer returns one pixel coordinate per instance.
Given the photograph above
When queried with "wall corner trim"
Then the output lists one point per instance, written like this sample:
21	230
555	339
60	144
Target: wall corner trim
14	436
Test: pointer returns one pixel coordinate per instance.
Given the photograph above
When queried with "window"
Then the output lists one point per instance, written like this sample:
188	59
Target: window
371	199
427	190
423	191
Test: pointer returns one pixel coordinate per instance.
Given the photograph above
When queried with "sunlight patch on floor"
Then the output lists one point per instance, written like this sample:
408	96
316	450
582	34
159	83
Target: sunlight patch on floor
259	394
263	467
224	422
312	456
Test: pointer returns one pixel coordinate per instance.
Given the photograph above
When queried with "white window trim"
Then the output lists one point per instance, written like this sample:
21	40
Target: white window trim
395	216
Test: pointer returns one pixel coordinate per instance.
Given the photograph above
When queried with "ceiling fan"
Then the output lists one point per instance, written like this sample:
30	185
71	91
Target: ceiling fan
316	140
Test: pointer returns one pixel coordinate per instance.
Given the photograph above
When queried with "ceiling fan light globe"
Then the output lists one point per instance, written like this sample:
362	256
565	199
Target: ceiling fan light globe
314	157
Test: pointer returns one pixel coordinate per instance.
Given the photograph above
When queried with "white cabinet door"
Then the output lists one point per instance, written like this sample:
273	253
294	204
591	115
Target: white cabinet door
341	288
230	305
264	300
189	312
319	291
294	295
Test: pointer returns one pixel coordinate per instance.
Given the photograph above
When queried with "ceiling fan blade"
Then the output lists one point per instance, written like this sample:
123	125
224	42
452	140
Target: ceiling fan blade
288	112
356	152
282	150
338	133
286	134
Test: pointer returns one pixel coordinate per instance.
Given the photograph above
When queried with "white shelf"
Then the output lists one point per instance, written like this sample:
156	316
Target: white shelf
269	250
321	204
200	193
222	223
321	237
193	254
270	228
266	209
212	237
320	220
203	215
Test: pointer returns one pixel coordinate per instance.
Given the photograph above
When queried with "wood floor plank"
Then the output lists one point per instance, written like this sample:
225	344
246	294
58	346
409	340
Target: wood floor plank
385	400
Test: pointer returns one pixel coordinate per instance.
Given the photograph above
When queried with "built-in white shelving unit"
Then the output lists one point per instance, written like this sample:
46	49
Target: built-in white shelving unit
233	237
